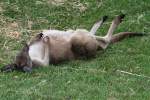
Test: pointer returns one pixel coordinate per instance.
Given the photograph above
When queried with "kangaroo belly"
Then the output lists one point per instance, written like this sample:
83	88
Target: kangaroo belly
60	50
83	44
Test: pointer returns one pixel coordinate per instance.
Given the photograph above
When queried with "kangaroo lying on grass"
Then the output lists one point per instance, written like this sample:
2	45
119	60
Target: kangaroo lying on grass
54	46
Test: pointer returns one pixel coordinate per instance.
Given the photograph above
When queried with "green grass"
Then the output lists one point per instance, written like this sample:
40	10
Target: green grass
94	79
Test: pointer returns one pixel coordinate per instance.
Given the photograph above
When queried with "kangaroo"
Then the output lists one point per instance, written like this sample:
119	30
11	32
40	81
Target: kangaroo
55	46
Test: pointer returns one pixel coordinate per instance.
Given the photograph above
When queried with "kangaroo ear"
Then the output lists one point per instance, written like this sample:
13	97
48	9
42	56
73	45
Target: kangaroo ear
26	47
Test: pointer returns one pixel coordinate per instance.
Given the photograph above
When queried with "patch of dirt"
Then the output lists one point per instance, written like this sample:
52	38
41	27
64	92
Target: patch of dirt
9	28
76	4
1	7
57	2
82	7
112	98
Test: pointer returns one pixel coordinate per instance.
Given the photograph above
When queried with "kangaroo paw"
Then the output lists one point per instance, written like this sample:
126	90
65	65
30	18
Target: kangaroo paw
46	39
104	18
119	18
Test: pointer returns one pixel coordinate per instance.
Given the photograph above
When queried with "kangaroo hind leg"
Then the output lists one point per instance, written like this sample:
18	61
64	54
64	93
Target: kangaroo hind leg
97	25
105	41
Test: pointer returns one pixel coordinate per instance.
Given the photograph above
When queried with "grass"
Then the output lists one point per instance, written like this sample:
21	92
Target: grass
94	79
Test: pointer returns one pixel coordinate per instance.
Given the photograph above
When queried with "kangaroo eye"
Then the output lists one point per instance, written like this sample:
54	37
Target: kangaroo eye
22	65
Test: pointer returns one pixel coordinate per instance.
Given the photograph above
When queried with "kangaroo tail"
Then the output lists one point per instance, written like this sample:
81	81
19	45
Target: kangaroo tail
120	36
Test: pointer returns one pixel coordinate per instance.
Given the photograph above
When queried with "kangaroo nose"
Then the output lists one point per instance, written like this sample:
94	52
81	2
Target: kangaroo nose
27	69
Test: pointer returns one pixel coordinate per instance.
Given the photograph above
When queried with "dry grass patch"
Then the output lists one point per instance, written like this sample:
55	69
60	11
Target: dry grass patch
56	2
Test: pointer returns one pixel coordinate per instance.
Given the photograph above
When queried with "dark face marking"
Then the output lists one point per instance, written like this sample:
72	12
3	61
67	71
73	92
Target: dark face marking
8	68
12	67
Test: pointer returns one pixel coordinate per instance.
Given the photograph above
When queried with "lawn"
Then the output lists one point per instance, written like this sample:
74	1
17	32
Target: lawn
100	78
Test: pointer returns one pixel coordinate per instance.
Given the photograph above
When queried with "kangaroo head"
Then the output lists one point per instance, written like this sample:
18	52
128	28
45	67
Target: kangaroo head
23	61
